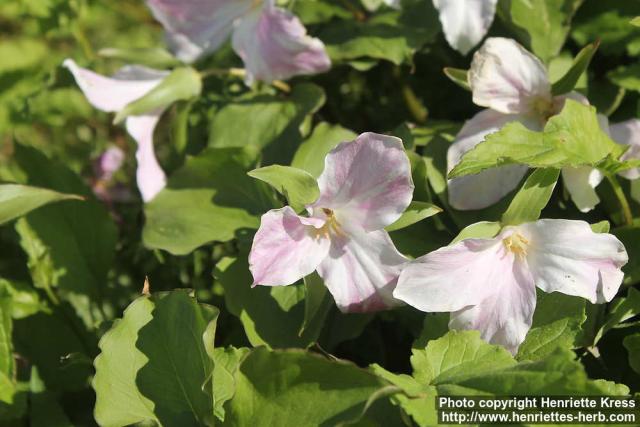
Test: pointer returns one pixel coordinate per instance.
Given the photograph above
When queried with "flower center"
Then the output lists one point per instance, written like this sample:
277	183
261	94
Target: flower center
332	225
517	244
542	107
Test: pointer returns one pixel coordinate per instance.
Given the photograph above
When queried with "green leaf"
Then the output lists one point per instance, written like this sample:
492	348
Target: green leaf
210	198
632	344
542	24
315	391
70	246
17	200
272	118
479	230
601	227
627	77
416	211
458	76
620	310
317	303
25	301
557	323
571	138
534	195
155	57
629	236
153	364
580	64
635	21
297	185
271	316
6	340
311	153
183	83
226	364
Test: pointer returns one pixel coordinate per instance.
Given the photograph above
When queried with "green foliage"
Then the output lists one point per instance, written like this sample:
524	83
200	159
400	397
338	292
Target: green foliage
18	200
296	185
579	66
534	195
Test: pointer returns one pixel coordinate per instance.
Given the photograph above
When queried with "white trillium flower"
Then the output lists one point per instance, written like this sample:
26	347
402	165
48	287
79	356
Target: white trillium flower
489	284
514	86
112	94
271	41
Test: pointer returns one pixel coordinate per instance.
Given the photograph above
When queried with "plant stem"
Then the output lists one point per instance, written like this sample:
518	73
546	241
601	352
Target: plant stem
622	199
411	100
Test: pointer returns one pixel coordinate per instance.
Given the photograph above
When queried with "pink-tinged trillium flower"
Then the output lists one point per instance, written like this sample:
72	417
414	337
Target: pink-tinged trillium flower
464	22
489	284
365	186
514	86
271	41
112	94
104	167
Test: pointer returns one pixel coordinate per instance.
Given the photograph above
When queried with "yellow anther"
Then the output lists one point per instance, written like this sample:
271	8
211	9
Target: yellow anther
517	244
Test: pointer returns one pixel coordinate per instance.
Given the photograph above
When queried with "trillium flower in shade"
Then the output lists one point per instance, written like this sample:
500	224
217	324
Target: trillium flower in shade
513	85
112	94
271	41
365	186
464	22
489	284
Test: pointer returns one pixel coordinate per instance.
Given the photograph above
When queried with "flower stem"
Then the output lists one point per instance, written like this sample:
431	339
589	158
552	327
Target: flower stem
411	100
622	199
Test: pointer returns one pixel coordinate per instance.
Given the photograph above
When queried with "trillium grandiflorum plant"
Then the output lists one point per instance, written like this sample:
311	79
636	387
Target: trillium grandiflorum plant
513	85
490	284
271	41
365	186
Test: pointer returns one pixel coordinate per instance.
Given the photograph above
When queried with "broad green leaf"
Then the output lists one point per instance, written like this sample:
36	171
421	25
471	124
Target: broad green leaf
17	200
557	323
479	230
226	363
152	57
390	35
608	22
181	84
258	120
324	138
317	303
601	227
70	246
458	76
534	195
627	77
571	138
315	391
316	12
210	198
153	364
635	21
25	301
580	64
271	316
416	211
543	25
632	344
44	409
297	185
6	340
620	310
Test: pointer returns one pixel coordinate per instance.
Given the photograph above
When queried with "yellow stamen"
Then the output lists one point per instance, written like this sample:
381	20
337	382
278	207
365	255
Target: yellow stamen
517	244
332	225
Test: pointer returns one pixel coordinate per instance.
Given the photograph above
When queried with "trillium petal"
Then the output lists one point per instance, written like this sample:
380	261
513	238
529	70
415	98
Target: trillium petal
488	187
628	133
197	27
581	182
465	22
503	317
150	177
453	277
366	181
567	256
362	270
506	78
286	248
113	93
109	162
274	45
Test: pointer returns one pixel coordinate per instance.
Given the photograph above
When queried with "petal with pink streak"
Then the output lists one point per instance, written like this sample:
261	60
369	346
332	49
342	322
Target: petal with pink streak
567	256
487	187
286	248
628	133
362	270
150	177
505	314
453	277
274	45
367	182
506	78
465	22
197	27
113	93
